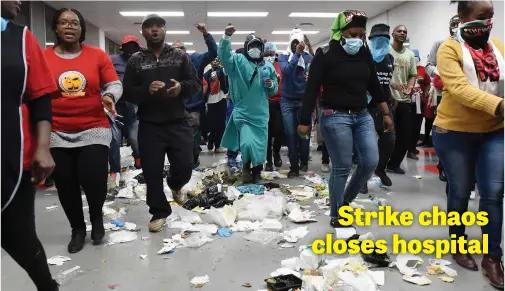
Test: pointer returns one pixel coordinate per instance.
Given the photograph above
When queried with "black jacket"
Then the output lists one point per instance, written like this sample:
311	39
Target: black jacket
345	80
143	68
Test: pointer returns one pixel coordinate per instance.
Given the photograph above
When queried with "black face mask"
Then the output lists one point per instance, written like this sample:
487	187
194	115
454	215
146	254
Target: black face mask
476	33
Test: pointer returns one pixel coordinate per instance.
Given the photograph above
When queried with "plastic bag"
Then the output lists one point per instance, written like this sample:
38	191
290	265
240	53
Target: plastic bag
187	215
122	236
127	161
197	240
309	260
233	193
260	207
223	217
211	196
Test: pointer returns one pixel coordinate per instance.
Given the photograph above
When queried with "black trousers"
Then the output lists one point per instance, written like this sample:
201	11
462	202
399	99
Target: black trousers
83	166
428	126
216	120
175	140
19	237
417	122
403	130
386	141
326	157
275	130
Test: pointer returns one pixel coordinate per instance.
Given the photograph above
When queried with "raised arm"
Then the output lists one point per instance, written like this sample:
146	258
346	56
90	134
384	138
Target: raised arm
224	51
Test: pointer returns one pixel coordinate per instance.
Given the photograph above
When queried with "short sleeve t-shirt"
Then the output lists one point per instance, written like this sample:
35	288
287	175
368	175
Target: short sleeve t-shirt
77	105
38	84
405	67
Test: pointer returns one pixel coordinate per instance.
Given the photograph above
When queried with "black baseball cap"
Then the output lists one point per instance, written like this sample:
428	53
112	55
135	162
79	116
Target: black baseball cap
151	19
379	30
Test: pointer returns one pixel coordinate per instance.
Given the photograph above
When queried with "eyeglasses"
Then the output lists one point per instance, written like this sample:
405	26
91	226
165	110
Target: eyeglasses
73	24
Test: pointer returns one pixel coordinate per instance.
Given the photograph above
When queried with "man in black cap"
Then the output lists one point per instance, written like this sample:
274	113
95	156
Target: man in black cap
158	79
380	48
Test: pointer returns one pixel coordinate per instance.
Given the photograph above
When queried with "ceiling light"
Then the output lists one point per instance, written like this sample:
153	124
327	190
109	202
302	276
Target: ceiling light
237	43
313	14
49	43
237	14
279	42
185	43
144	13
236	32
190	52
289	32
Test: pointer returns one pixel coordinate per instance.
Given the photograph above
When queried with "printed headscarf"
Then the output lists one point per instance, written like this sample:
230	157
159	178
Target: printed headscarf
269	46
347	19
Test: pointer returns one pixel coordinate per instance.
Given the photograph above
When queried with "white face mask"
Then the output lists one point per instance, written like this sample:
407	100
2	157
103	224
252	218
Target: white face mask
254	53
270	59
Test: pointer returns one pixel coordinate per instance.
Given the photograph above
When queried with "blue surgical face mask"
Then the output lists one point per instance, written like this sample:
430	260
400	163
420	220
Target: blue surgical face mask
254	53
379	47
352	45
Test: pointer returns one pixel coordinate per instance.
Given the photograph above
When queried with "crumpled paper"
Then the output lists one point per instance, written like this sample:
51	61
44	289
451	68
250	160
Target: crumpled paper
58	260
122	236
299	216
198	282
294	235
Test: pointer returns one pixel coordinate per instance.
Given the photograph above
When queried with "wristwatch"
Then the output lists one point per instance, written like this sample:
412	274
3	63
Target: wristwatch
108	95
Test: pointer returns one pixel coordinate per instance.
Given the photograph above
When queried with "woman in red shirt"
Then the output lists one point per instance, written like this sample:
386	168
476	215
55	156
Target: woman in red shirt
80	139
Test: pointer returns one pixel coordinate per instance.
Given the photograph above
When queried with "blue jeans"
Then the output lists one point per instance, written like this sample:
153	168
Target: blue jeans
298	148
470	156
343	132
129	130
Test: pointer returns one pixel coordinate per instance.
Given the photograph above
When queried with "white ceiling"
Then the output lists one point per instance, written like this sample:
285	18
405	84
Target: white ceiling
105	15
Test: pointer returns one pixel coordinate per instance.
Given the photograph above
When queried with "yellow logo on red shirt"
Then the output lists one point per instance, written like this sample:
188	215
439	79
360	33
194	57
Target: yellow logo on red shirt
72	83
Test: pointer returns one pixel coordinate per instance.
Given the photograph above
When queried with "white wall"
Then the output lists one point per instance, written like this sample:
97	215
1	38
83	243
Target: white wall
428	21
95	36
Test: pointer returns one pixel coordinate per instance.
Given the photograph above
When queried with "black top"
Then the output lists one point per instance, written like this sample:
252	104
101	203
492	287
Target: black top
345	80
385	72
143	68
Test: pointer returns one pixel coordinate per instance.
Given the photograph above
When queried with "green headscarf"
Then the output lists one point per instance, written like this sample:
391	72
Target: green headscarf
344	19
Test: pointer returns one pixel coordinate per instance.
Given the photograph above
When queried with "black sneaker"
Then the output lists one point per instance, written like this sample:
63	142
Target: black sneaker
412	156
293	174
442	176
397	170
77	242
247	177
386	181
364	189
277	160
304	168
210	146
269	167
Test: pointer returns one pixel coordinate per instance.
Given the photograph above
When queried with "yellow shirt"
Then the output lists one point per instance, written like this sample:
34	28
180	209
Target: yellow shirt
464	107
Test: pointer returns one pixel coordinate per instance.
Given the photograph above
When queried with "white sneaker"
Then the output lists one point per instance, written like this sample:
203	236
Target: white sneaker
325	168
472	195
112	182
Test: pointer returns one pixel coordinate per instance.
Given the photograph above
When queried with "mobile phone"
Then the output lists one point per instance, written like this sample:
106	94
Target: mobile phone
412	263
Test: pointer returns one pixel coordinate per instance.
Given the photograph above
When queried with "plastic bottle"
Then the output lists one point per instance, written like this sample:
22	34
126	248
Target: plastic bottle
379	201
265	75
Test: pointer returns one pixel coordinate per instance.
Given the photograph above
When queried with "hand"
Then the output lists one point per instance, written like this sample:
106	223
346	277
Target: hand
175	89
201	27
408	90
155	86
229	30
306	40
269	83
303	130
108	103
300	47
397	87
42	165
388	123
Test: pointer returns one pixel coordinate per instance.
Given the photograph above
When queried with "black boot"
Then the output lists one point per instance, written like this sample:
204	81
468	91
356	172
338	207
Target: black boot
97	231
269	167
277	160
256	174
77	242
247	177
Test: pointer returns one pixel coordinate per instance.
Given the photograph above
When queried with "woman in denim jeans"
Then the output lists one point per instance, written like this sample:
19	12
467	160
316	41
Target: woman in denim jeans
468	132
345	70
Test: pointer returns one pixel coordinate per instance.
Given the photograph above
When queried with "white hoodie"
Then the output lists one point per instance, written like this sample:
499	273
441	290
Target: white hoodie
296	34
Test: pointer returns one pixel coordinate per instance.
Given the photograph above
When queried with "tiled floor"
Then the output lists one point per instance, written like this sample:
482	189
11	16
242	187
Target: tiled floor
230	262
